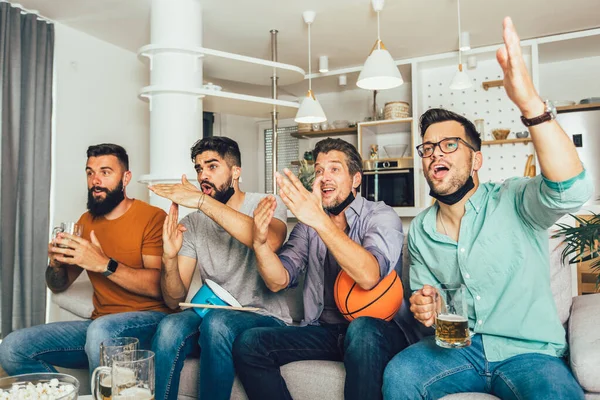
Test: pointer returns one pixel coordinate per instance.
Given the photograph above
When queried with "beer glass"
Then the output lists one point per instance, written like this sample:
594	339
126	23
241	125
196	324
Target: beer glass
452	322
72	228
132	376
108	348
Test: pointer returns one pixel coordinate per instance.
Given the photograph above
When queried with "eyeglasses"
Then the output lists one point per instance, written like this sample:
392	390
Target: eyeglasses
447	146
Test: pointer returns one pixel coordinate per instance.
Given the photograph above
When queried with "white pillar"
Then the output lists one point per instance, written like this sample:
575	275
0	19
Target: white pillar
175	118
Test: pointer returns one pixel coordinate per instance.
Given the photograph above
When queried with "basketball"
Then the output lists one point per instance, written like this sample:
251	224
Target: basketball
383	301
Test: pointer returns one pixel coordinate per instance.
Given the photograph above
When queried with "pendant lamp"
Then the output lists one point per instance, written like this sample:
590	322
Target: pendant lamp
310	111
380	71
461	80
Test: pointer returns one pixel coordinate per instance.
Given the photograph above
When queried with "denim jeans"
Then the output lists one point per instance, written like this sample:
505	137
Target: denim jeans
74	344
186	333
427	371
365	346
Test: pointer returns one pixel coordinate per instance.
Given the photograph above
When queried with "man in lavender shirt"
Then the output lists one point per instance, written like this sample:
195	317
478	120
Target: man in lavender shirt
337	230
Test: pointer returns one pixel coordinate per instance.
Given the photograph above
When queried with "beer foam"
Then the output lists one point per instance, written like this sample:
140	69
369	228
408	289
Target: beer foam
452	318
134	393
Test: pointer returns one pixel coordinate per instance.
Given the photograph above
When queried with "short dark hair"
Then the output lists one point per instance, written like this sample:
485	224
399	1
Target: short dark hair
110	149
353	158
435	115
227	149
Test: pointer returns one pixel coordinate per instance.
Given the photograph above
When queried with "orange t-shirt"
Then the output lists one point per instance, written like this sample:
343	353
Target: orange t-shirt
125	239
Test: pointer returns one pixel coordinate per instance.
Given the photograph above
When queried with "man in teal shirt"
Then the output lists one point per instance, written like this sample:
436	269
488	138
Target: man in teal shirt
493	239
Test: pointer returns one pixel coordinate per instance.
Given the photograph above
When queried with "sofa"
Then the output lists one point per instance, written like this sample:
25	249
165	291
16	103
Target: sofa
325	379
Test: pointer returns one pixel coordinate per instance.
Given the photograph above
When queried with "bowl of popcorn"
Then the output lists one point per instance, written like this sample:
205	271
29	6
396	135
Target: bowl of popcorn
41	386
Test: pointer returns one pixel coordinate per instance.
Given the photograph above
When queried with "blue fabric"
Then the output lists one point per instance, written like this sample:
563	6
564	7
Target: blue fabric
427	371
74	344
185	333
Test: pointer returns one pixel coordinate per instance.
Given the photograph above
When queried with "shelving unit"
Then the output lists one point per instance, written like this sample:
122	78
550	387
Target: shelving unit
234	103
233	67
578	107
325	133
506	141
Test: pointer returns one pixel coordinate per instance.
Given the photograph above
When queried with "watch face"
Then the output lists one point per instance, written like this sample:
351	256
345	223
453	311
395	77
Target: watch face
551	108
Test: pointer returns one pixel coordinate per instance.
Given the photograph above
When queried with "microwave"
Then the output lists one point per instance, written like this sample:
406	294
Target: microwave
390	182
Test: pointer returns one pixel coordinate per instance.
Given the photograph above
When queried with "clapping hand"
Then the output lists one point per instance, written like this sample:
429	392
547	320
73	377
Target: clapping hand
184	193
263	214
305	205
172	233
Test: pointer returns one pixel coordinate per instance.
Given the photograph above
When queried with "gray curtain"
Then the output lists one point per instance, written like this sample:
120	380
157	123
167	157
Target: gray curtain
26	57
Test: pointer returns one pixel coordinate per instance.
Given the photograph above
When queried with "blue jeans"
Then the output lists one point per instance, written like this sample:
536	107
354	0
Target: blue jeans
186	333
365	346
74	344
427	371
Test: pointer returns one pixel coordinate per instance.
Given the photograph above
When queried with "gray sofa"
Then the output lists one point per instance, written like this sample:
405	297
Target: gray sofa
325	379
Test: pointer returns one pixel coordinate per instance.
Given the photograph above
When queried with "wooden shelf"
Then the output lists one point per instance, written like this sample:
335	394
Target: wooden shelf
297	163
489	84
578	107
328	132
402	125
506	141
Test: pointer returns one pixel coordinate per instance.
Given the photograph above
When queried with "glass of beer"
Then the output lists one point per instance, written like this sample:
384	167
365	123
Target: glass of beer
108	348
452	322
72	228
132	376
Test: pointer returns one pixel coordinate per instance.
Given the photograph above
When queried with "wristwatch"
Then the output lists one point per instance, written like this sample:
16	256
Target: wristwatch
548	115
111	267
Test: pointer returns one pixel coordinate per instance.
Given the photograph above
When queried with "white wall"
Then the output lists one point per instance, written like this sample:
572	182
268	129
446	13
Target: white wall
570	80
96	86
243	131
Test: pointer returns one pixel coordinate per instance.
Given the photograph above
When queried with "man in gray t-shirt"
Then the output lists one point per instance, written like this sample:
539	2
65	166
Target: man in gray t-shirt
215	242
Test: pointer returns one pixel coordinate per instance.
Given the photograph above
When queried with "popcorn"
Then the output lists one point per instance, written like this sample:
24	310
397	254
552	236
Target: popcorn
52	390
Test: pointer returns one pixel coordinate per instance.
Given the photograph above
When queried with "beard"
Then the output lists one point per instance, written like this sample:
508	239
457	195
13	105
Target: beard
223	193
99	207
455	182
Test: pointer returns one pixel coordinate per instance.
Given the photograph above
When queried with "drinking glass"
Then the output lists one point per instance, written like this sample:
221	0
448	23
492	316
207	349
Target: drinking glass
452	322
72	228
109	348
132	376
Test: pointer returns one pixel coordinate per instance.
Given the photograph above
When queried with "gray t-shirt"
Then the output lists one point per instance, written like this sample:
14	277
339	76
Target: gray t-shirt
225	260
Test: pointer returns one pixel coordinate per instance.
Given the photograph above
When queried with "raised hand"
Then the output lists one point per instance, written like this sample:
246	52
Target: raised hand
263	215
184	193
84	253
517	82
172	233
306	206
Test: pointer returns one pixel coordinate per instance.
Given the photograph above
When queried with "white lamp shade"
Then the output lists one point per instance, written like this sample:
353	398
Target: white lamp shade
460	81
379	72
310	111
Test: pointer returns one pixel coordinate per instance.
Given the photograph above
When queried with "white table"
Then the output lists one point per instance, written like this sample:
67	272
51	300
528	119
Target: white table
86	397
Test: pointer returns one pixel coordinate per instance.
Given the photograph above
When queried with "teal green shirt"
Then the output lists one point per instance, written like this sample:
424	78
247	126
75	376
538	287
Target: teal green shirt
502	258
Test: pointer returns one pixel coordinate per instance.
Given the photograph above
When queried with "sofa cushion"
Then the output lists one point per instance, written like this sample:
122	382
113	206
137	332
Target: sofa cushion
321	380
584	340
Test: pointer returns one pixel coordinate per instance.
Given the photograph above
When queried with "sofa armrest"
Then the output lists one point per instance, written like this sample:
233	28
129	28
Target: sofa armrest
584	341
77	299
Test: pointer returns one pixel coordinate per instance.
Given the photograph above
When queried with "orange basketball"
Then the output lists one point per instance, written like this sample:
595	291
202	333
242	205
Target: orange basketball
383	301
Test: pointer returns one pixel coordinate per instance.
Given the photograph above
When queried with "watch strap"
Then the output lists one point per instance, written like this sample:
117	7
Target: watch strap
111	268
546	116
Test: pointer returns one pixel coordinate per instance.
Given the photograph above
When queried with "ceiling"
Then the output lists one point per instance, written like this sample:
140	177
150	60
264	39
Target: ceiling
344	30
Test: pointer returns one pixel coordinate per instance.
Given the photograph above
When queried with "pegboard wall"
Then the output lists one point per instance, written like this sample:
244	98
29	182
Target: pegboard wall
493	106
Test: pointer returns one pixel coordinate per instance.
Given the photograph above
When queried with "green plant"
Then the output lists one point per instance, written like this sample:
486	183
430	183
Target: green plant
306	174
583	241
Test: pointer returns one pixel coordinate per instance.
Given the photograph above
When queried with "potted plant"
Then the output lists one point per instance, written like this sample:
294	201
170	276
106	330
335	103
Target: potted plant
306	174
582	242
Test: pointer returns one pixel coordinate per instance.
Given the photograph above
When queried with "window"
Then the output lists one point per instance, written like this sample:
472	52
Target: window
287	151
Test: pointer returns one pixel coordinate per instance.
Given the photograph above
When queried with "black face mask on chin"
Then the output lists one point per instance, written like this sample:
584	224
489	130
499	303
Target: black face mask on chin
340	207
457	196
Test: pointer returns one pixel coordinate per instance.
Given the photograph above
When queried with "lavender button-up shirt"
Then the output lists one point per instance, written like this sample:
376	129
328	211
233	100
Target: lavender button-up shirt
373	225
